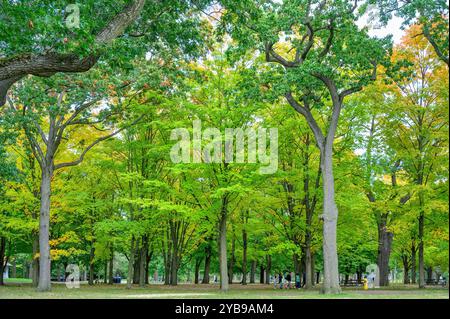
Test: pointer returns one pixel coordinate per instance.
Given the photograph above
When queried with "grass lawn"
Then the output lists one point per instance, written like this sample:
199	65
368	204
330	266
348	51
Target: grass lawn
188	291
18	281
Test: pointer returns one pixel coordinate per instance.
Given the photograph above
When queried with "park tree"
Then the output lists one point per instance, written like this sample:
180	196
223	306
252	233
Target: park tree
221	103
404	247
297	186
139	166
83	197
380	174
318	50
46	110
419	123
357	240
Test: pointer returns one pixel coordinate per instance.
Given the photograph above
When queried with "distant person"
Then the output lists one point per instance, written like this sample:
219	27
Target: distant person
288	280
371	279
365	283
297	281
280	280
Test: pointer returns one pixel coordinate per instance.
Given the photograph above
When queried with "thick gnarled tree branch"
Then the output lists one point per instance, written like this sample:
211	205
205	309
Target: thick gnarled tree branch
12	70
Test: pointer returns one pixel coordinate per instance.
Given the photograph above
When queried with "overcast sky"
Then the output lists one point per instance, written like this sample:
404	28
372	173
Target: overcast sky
393	27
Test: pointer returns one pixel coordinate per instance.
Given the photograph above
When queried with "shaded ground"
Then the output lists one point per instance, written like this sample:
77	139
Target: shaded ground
183	291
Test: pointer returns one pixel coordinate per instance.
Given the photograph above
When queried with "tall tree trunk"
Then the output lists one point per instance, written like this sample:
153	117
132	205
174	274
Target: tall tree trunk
166	249
205	279
421	249
330	212
406	280
330	215
413	261
137	263
303	267
131	264
175	253
430	273
232	257
261	274
308	262
174	270
244	256
406	266
313	269
384	250
35	261
143	262
44	230
91	265
198	262
253	272
268	268
111	265
310	204
34	271
167	266
223	246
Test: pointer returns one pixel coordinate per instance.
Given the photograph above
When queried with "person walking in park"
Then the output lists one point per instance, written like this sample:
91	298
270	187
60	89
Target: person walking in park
371	279
297	281
365	283
280	280
288	280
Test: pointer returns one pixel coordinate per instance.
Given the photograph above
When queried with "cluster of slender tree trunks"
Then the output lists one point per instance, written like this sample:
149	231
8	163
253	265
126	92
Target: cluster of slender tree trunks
138	261
409	270
206	261
140	255
409	264
207	264
177	236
